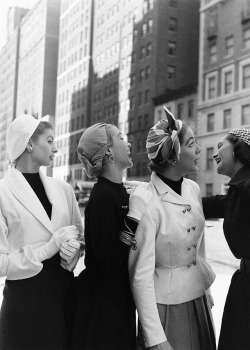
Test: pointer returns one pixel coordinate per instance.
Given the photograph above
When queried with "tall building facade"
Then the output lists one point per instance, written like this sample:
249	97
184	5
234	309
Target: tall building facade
164	59
224	81
38	55
114	57
8	80
74	85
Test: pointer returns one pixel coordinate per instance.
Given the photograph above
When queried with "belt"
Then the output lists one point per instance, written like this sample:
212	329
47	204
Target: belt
245	265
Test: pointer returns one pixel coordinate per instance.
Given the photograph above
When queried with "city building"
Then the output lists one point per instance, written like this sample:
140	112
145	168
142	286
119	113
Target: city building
37	62
224	81
164	60
8	80
74	86
114	57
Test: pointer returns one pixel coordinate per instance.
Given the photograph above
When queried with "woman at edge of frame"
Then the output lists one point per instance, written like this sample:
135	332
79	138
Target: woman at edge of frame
105	310
170	277
233	160
40	225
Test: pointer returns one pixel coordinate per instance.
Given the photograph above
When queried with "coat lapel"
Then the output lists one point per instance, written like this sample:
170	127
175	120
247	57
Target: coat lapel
25	194
168	194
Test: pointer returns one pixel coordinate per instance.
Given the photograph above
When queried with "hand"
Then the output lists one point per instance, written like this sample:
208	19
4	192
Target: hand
65	234
69	249
138	202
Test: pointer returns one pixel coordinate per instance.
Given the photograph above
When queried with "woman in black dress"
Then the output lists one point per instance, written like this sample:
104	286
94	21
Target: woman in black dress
233	160
38	217
105	313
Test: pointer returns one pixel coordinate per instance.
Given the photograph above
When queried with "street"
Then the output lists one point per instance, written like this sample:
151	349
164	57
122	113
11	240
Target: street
221	260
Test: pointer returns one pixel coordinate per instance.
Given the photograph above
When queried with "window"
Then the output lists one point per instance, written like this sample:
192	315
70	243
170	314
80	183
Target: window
146	96
132	81
228	82
211	88
142	53
142	74
227	118
209	189
140	99
171	72
246	76
144	29
172	24
190	108
229	46
180	110
132	103
171	48
246	38
245	114
213	53
149	49
140	122
209	164
148	71
150	26
210	122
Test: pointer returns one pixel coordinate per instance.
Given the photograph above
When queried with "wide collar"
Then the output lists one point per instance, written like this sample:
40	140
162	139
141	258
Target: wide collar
168	194
240	177
21	189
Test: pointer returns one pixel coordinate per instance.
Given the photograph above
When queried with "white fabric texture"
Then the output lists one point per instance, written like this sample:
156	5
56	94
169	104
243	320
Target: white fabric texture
18	134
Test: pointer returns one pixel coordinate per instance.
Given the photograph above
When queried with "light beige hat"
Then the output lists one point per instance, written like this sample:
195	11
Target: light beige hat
18	134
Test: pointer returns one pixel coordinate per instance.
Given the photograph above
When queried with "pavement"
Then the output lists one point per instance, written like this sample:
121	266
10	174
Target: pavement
219	257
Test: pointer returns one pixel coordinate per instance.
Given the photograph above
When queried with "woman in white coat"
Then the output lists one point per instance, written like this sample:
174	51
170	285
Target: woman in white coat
40	225
169	273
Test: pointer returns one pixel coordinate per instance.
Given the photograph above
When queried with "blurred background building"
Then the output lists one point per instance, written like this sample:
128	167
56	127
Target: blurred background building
120	61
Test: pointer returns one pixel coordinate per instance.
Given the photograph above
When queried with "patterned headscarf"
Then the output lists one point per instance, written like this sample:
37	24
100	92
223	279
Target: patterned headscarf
243	134
92	148
163	139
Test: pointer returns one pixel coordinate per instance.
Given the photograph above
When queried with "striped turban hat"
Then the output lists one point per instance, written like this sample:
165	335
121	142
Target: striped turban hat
163	141
242	134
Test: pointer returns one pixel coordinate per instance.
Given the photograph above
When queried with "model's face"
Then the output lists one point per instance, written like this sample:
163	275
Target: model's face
190	154
120	150
225	158
44	149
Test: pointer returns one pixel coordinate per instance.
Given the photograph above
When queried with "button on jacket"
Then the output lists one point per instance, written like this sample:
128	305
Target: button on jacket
169	265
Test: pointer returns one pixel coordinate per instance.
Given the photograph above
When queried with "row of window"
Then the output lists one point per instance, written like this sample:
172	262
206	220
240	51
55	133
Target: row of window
69	126
143	99
139	123
228	80
228	46
227	118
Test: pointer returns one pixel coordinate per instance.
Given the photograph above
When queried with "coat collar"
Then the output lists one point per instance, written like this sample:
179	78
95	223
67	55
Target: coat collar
168	194
240	177
24	193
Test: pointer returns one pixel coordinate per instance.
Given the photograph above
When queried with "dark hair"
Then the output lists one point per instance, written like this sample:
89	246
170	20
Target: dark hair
43	125
162	167
241	149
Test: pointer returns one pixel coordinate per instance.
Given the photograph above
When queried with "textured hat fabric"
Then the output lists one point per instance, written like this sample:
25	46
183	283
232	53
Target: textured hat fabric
18	134
241	133
163	139
92	148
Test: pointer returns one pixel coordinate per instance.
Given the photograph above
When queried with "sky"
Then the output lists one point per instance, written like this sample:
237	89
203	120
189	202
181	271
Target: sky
4	5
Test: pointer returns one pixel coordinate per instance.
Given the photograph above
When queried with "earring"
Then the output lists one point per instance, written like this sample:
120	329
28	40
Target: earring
111	158
174	162
29	148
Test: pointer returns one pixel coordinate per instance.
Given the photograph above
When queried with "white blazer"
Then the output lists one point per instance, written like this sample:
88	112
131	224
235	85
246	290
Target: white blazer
24	223
169	265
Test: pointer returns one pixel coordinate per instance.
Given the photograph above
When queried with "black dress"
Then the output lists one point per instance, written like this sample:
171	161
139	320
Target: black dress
105	313
32	312
235	208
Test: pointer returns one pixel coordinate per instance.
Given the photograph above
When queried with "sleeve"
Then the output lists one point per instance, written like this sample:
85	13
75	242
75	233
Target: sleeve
141	271
18	264
213	206
103	219
76	220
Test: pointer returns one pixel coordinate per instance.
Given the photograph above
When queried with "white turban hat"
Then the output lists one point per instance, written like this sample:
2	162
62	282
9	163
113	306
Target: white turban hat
18	134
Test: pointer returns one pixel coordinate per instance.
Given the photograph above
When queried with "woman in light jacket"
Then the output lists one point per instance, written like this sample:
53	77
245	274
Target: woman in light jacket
39	217
169	273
